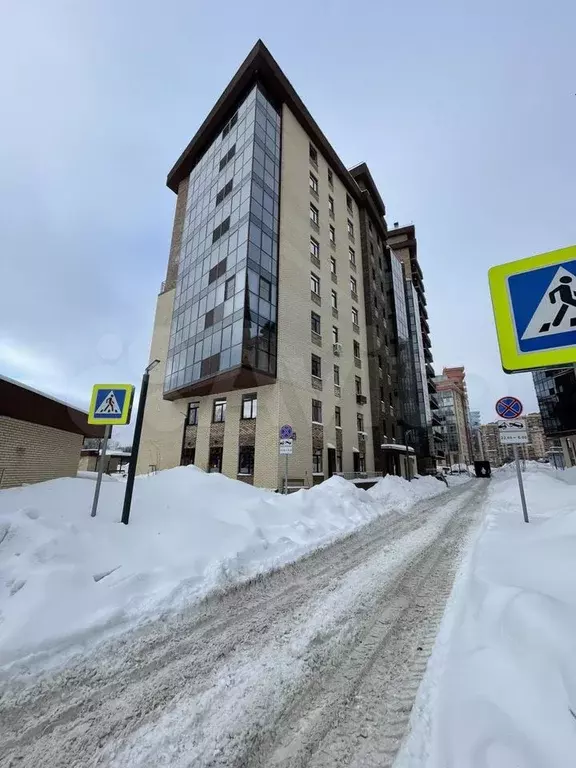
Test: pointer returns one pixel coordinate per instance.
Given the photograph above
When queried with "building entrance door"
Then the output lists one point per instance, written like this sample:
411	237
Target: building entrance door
215	460
331	461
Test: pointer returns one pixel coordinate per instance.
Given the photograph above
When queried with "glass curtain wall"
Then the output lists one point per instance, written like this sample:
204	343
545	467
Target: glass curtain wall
556	393
226	292
406	374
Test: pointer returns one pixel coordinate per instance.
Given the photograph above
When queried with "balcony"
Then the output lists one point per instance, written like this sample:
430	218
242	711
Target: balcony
315	260
316	382
357	362
355	328
337	391
334	278
335	313
361	399
316	298
316	338
430	369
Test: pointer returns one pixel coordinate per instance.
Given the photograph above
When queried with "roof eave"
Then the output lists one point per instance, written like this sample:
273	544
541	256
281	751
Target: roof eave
260	66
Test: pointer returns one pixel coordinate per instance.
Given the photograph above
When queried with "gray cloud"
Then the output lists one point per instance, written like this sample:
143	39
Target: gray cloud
465	116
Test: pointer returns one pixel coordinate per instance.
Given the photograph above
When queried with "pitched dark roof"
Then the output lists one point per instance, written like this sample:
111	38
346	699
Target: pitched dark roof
17	401
258	66
361	171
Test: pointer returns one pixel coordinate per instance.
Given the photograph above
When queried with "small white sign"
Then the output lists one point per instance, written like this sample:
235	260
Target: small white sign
513	432
286	447
518	438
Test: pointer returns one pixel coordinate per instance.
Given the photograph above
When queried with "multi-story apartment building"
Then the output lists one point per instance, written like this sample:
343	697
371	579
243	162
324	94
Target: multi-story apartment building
454	414
556	393
383	335
261	318
423	425
475	421
537	445
492	449
282	303
498	454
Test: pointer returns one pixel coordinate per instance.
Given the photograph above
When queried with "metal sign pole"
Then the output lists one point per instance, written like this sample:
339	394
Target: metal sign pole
107	431
286	475
521	485
136	442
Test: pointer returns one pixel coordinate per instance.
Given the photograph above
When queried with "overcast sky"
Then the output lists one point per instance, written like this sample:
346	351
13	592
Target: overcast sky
466	118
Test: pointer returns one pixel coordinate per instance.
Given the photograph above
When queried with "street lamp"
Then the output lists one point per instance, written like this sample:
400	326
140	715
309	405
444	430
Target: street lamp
136	441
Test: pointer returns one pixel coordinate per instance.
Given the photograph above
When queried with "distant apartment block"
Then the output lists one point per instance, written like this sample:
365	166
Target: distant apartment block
498	454
454	415
420	419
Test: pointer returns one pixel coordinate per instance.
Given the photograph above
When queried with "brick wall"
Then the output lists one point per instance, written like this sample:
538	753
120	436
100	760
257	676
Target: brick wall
177	230
31	453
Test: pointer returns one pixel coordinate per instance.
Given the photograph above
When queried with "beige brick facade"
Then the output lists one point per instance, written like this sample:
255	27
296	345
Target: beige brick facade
31	453
289	399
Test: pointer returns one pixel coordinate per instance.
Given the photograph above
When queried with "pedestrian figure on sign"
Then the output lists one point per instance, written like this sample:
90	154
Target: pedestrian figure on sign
567	298
110	406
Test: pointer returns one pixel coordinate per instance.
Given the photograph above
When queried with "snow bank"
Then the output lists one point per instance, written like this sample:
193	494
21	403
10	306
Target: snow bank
396	492
506	693
68	578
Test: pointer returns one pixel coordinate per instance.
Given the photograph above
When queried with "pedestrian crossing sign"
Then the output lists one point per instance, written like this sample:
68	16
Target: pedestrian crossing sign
534	302
111	404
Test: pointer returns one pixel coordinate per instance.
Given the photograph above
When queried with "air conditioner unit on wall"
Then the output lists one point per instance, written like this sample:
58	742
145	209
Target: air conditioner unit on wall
337	349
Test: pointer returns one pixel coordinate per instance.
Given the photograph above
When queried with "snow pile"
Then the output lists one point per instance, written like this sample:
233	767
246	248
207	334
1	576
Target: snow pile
500	690
66	577
396	492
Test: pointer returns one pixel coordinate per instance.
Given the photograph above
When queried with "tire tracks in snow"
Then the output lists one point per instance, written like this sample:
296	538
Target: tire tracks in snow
315	664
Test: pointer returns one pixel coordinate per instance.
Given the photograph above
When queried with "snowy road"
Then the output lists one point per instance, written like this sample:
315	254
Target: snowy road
314	665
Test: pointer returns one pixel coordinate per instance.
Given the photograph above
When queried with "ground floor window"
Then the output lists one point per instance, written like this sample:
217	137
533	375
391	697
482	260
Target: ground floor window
188	456
246	460
192	418
317	460
359	460
215	459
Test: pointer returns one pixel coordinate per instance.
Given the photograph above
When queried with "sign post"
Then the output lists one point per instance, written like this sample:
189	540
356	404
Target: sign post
136	442
513	432
104	445
110	404
285	445
521	485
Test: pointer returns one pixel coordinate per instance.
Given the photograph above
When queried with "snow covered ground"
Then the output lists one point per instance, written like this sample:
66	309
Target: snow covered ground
67	579
500	688
315	664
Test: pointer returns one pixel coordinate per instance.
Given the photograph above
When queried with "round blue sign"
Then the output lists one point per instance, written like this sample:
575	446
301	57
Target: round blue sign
508	407
286	432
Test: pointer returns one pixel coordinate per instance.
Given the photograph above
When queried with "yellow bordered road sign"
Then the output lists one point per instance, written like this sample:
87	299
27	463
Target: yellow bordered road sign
534	303
111	404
